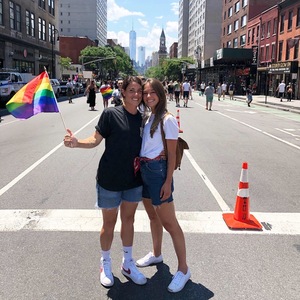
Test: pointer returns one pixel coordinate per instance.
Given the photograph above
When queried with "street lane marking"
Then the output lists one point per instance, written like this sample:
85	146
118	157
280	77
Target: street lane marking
90	220
38	162
261	131
208	183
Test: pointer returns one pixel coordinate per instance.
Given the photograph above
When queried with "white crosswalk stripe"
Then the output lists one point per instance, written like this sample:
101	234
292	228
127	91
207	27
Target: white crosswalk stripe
90	220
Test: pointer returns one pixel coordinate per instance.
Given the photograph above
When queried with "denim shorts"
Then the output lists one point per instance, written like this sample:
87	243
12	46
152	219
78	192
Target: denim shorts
111	199
154	173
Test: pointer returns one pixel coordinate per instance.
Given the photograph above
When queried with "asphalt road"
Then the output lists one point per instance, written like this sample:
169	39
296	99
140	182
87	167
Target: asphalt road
49	229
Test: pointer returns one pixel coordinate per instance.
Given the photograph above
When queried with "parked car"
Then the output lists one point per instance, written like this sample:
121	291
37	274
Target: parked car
63	88
56	87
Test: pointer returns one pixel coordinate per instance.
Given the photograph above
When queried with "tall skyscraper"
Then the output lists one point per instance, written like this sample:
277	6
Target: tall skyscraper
84	18
132	44
141	56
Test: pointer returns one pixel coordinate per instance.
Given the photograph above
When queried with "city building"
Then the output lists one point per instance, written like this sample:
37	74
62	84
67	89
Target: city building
141	56
162	52
84	18
28	36
132	45
183	28
173	52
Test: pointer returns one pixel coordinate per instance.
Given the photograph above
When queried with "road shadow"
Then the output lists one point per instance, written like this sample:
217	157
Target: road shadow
156	288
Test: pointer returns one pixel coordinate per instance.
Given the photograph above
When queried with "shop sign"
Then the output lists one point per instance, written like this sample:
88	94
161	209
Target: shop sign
283	67
254	55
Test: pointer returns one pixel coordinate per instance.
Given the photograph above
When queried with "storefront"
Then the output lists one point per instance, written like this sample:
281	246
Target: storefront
284	71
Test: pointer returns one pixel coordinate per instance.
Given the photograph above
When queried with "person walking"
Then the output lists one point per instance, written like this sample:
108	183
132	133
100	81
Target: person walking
209	93
202	88
70	88
187	91
224	89
118	187
281	89
177	90
157	167
91	92
289	92
249	96
106	91
219	91
231	90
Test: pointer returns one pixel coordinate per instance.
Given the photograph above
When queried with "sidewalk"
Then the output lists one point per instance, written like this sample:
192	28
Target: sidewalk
273	102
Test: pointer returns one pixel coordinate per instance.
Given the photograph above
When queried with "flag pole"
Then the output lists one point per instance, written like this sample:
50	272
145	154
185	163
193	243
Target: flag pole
61	116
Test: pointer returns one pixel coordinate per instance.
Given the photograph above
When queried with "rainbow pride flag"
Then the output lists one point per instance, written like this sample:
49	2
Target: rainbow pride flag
106	92
35	97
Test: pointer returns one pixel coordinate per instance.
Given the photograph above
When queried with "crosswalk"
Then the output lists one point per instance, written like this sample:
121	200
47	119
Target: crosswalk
90	220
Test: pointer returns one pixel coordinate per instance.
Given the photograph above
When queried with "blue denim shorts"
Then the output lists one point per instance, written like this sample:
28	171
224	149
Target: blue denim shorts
111	199
154	173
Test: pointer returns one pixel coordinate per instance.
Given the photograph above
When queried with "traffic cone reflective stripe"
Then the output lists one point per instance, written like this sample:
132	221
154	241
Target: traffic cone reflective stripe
178	121
241	218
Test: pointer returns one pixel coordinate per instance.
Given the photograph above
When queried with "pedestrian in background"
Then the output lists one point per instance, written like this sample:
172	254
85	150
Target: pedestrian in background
202	88
224	89
209	93
117	94
91	92
157	167
249	96
281	89
187	91
289	92
118	186
70	88
231	90
219	91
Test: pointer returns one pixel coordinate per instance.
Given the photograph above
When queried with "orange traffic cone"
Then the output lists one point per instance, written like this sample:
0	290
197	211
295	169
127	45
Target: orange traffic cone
241	218
178	121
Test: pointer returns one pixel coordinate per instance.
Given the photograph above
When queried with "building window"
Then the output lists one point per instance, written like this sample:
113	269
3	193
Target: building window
261	54
249	36
230	12
236	25
290	21
42	29
244	21
229	29
268	28
296	48
262	31
237	7
42	4
224	15
243	40
1	12
280	47
298	17
244	3
224	31
229	44
51	7
32	26
235	43
274	26
288	50
281	23
273	52
267	53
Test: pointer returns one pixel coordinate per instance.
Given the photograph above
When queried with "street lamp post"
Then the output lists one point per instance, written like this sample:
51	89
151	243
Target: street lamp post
54	31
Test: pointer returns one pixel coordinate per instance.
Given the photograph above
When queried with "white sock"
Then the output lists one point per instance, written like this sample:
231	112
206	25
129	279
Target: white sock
105	255
127	254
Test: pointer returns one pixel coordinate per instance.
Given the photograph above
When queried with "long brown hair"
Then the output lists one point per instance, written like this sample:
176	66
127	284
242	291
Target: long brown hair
161	107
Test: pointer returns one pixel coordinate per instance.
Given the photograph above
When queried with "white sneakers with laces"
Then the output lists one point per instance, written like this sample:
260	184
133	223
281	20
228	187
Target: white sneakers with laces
178	282
130	270
149	260
106	276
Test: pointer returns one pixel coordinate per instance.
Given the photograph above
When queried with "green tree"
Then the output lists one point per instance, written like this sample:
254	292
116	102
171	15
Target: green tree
65	63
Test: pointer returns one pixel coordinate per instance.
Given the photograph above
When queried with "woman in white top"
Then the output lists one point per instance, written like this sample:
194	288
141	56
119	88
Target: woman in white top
157	169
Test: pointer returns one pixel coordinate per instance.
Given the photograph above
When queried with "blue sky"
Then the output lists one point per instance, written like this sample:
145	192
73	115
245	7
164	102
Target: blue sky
147	18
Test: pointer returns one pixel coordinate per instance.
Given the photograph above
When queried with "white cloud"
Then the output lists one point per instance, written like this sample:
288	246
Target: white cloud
143	23
175	8
116	12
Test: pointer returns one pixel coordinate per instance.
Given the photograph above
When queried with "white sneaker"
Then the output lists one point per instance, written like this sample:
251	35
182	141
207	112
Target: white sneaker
106	276
149	260
178	282
130	270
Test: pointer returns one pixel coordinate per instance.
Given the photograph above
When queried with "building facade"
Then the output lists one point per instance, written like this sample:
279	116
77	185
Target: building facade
84	18
28	36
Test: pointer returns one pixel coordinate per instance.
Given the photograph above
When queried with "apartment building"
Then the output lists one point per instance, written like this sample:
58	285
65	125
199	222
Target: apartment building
28	35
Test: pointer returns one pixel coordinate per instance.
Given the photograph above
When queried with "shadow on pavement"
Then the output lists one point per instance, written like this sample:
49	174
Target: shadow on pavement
156	288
